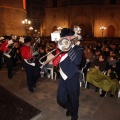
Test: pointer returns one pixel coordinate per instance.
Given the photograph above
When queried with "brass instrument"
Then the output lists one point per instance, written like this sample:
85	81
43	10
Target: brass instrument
34	52
64	45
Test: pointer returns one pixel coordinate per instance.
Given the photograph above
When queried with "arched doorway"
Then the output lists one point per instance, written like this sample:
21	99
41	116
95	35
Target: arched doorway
83	30
111	31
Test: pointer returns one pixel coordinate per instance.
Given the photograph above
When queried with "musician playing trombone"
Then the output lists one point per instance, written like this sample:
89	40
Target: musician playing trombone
69	87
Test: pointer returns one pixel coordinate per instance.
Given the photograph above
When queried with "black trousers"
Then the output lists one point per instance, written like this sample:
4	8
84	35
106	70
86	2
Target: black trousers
33	73
9	62
68	94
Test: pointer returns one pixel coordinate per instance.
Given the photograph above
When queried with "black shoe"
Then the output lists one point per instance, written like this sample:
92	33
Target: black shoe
96	89
31	90
34	86
103	94
10	76
111	95
68	113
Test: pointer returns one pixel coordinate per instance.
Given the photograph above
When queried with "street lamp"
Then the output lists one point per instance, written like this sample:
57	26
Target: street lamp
26	22
102	28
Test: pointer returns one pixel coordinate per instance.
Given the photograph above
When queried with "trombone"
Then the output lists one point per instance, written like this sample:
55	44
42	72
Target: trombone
63	44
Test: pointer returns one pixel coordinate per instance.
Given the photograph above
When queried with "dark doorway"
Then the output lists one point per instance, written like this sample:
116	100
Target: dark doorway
111	31
83	30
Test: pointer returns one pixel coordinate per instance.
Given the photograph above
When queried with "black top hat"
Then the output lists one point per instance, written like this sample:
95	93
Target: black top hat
27	39
66	32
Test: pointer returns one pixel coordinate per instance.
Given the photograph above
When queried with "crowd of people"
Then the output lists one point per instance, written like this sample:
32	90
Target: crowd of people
102	57
109	51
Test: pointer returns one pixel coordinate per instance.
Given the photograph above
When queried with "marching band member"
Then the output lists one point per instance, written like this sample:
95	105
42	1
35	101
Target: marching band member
8	54
31	67
69	86
1	52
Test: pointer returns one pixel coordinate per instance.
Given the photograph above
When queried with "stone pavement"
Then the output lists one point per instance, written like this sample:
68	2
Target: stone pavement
92	107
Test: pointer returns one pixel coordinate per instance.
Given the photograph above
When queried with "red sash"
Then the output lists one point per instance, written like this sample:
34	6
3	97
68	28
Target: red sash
57	59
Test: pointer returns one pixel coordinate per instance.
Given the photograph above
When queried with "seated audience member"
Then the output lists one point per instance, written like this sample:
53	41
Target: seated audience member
43	44
112	53
112	62
117	68
100	63
106	52
97	54
88	55
100	80
113	67
114	48
42	53
98	45
48	62
103	47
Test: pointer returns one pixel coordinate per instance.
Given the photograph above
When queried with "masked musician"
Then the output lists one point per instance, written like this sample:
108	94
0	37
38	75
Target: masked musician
69	87
8	54
31	65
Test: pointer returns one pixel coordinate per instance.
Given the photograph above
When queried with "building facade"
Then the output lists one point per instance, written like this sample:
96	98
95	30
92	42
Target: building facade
12	13
35	12
90	15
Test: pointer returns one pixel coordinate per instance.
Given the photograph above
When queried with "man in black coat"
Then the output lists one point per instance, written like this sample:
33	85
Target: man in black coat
69	86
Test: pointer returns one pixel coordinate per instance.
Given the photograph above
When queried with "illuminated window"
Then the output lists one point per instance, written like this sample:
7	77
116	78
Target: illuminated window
24	4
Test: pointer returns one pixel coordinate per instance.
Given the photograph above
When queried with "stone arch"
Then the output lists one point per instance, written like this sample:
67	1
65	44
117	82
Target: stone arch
85	24
111	31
